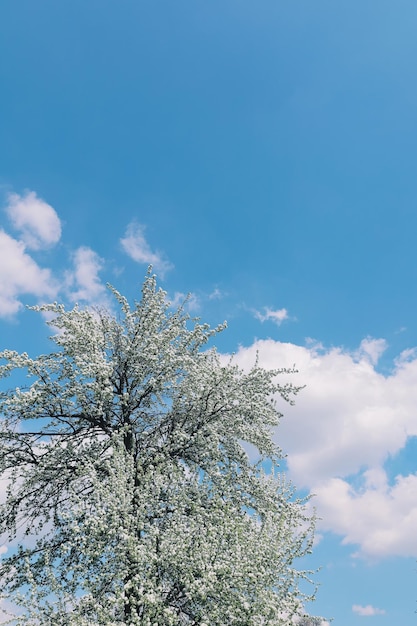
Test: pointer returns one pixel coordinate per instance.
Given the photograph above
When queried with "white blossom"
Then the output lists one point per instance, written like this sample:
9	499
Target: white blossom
129	474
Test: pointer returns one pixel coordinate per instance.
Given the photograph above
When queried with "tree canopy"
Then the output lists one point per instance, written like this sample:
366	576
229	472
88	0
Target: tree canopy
131	497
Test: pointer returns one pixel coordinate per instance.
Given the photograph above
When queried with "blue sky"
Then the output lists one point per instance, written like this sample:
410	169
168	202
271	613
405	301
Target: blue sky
262	156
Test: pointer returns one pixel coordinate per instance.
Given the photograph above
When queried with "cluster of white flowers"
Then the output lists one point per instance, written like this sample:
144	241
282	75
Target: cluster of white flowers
126	453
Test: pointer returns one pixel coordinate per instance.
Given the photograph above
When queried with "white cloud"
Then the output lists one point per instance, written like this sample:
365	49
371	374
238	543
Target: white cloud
40	227
216	294
191	301
7	611
83	280
20	274
277	316
381	519
348	417
367	610
36	220
136	246
347	421
406	355
372	349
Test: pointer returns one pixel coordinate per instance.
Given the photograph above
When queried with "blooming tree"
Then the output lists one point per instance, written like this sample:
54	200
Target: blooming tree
129	488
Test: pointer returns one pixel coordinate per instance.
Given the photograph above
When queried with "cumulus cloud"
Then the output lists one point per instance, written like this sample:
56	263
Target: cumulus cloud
39	227
367	610
380	518
136	246
277	316
346	423
84	281
36	220
20	274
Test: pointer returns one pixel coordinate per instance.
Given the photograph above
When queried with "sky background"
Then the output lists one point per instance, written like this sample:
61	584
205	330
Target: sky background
262	156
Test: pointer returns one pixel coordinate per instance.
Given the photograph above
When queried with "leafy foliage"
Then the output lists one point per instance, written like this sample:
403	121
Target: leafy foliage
130	491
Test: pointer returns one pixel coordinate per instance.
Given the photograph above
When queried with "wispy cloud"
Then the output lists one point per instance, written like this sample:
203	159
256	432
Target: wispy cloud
372	349
216	294
191	301
367	611
36	220
83	280
135	245
277	316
